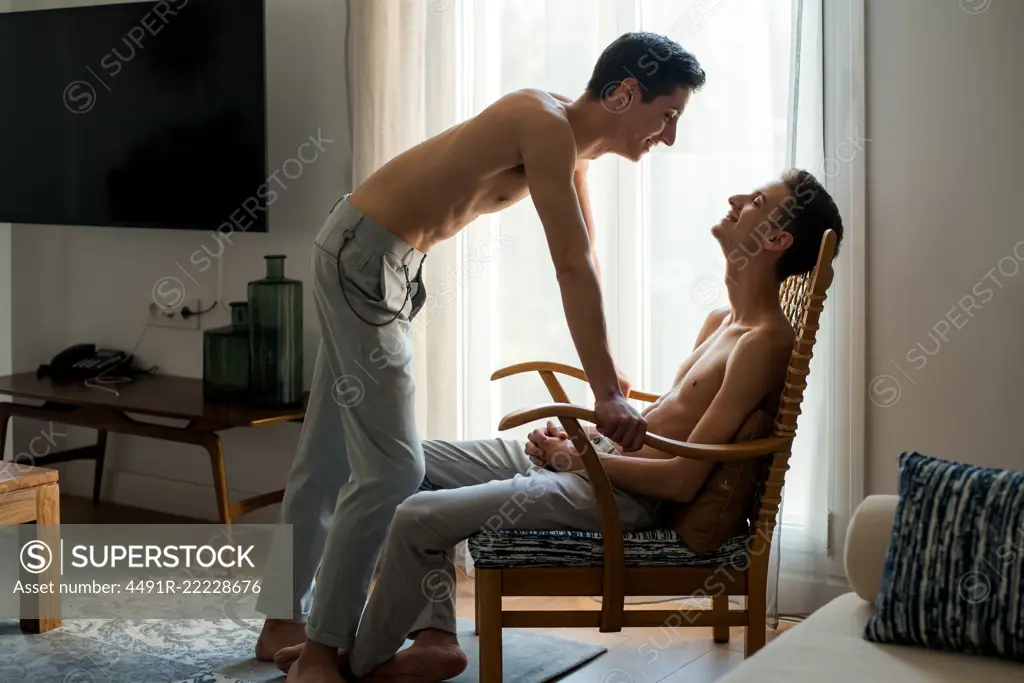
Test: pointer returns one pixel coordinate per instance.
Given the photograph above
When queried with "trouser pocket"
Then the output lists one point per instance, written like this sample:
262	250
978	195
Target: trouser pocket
373	283
363	273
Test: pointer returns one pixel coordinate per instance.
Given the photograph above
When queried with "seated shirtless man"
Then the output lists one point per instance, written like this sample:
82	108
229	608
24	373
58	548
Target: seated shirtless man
738	364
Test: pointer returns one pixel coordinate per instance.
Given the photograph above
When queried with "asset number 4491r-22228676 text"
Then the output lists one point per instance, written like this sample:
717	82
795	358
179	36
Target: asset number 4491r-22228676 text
192	586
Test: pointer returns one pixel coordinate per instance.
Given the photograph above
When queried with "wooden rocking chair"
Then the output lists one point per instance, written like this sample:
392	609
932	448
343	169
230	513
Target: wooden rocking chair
506	567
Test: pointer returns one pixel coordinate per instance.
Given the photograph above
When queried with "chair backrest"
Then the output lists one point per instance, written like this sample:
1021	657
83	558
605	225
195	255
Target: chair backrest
803	298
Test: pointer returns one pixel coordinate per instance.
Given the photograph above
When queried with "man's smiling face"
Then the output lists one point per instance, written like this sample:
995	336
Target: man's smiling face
647	124
753	217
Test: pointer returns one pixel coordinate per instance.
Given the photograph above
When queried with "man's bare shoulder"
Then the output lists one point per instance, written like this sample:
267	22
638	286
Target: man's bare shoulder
783	335
537	123
775	333
771	343
535	114
530	104
716	316
711	324
767	350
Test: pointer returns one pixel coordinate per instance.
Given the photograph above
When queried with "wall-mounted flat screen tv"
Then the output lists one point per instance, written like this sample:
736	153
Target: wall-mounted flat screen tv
142	115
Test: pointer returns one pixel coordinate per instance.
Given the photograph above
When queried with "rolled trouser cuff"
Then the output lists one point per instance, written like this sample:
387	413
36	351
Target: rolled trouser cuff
323	637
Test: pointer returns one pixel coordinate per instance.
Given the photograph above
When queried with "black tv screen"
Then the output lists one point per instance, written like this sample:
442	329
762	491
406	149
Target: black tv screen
148	114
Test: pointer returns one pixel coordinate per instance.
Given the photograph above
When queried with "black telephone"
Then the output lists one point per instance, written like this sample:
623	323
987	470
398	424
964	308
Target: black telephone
83	362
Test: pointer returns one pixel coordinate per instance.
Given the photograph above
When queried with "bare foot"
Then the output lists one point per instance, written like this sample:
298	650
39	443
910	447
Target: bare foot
316	663
276	635
285	657
434	656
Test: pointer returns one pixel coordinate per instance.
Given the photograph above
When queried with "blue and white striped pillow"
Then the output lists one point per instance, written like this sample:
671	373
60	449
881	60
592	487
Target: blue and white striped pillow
955	566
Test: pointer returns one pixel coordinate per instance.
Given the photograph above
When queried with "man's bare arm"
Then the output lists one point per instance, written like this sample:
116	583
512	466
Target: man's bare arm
751	374
549	158
580	182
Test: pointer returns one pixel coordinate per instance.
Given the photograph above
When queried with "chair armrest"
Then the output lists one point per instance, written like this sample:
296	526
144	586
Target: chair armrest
570	371
746	450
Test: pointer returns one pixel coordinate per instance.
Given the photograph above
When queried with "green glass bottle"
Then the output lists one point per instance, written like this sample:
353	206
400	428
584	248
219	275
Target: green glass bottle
226	357
275	346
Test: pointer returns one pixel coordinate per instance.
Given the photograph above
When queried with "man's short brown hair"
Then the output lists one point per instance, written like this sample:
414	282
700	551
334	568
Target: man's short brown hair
810	212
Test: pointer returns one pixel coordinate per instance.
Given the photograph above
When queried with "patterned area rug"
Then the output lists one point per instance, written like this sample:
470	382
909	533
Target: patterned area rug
195	651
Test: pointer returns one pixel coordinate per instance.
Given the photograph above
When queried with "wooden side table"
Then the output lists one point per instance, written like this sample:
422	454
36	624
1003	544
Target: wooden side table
31	494
163	396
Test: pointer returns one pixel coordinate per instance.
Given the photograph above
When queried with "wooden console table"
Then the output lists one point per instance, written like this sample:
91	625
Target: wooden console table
148	396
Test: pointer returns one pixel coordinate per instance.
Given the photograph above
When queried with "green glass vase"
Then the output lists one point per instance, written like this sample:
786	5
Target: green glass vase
275	338
226	358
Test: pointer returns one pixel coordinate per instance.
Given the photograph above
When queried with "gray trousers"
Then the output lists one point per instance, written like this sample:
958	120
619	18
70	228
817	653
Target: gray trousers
359	454
482	485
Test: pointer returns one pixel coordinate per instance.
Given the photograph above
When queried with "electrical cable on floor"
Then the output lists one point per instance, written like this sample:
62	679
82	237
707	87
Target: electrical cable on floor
679	598
795	618
649	602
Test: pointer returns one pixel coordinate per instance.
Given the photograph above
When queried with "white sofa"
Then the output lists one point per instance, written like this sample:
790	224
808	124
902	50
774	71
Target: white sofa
830	646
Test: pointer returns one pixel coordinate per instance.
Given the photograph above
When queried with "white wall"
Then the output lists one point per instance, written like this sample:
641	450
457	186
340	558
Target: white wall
77	284
944	175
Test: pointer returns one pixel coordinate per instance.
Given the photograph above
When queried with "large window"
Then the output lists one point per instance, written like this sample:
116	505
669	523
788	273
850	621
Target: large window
760	112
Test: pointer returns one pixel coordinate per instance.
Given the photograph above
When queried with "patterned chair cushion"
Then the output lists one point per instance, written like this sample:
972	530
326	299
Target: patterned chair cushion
658	547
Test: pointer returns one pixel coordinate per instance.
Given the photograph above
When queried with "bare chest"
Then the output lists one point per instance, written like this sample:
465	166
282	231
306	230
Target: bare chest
700	382
704	378
500	190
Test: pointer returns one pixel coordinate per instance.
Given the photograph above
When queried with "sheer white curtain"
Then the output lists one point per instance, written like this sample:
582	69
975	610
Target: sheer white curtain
402	81
800	547
387	41
494	299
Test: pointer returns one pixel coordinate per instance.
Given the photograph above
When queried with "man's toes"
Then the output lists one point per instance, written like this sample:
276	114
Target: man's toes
276	635
285	657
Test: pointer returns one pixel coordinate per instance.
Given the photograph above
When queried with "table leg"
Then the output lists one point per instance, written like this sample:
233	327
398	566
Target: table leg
101	453
215	448
48	531
199	432
5	416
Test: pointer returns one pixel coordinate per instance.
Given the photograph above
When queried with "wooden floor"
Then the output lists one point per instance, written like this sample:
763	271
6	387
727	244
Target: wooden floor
635	655
659	654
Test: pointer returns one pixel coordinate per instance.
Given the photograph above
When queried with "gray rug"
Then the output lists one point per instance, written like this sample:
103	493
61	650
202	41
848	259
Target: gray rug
168	651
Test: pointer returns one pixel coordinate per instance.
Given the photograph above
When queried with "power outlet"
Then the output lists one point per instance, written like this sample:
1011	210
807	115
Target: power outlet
172	317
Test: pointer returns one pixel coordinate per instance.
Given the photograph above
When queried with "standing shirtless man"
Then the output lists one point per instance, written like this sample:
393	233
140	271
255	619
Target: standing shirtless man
359	454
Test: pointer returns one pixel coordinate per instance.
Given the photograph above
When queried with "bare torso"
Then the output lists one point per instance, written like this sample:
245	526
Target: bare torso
700	377
432	191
